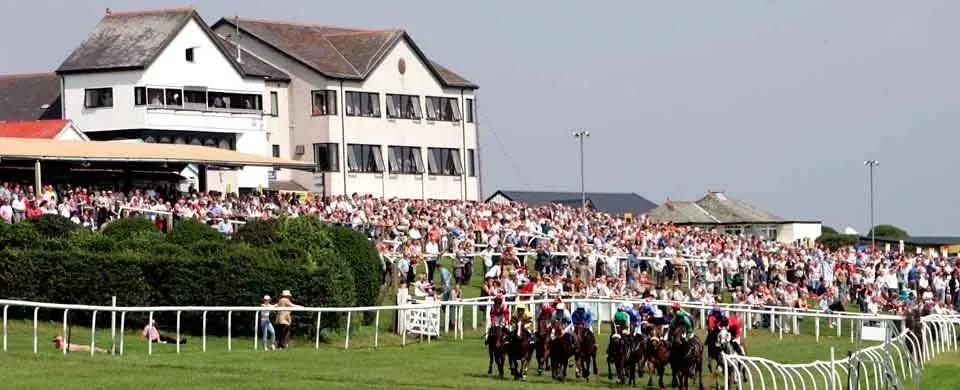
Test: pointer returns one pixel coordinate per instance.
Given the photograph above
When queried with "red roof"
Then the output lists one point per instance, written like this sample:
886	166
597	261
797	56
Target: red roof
45	129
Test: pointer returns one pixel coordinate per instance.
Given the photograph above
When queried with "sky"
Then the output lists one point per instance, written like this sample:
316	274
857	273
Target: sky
774	102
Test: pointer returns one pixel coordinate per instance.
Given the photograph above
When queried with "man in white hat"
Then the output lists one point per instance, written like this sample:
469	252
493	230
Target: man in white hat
284	319
266	327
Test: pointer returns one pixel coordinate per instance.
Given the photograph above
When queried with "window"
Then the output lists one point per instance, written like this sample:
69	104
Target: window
234	101
195	97
274	104
468	110
98	97
324	102
471	163
139	96
174	97
403	107
326	157
405	159
363	104
155	96
444	161
275	149
364	158
443	109
189	54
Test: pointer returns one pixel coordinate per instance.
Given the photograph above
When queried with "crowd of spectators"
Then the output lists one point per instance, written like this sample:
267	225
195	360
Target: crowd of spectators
573	251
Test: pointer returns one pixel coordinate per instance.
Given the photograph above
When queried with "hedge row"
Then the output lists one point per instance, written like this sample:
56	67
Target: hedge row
47	260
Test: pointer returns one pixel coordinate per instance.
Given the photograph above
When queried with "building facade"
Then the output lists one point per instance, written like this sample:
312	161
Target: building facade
372	112
164	77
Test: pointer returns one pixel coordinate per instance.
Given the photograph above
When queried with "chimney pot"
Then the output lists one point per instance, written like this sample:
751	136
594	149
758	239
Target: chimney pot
108	12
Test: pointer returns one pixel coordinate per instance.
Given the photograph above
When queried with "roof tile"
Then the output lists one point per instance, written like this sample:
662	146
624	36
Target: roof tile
43	129
29	96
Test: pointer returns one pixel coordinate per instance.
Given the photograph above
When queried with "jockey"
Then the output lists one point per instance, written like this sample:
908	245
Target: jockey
682	319
658	322
634	317
582	316
621	321
499	315
714	318
562	317
546	312
522	319
733	325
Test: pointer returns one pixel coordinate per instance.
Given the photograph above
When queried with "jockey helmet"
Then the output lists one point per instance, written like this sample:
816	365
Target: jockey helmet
676	306
581	306
560	306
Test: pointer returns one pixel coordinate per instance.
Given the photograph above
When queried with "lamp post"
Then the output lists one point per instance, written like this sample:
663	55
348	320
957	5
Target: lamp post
871	164
581	136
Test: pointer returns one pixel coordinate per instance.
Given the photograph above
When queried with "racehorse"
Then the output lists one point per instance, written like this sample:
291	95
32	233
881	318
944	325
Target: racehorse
560	353
542	346
496	347
720	345
519	352
617	350
636	356
686	359
586	352
912	321
657	357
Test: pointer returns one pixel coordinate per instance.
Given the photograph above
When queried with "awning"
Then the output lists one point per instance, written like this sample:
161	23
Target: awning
53	150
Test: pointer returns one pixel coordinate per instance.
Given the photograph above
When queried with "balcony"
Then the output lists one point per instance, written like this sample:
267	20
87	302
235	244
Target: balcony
198	109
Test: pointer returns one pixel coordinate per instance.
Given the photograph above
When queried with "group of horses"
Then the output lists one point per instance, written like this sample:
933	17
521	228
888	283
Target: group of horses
627	356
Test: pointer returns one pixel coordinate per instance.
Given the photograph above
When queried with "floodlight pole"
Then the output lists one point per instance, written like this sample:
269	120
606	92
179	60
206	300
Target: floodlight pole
871	164
581	136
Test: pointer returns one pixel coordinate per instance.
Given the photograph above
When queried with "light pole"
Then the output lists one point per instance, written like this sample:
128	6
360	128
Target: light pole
871	164
580	136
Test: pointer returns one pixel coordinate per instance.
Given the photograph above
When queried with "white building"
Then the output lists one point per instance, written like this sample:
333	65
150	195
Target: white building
369	108
163	76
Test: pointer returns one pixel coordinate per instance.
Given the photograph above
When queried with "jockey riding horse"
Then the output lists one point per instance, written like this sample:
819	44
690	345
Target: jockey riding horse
686	353
542	337
586	351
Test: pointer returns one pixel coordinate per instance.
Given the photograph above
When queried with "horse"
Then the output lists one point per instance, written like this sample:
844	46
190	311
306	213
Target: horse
561	351
912	321
519	352
496	348
686	359
586	352
657	357
636	356
542	345
617	350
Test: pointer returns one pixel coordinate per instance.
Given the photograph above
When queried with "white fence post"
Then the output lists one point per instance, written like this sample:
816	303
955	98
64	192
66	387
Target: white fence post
203	341
376	330
178	332
113	326
66	340
346	342
5	308
317	341
150	342
123	318
36	312
93	334
229	331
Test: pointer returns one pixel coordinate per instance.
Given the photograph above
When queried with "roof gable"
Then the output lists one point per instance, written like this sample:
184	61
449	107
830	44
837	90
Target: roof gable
726	209
29	97
341	53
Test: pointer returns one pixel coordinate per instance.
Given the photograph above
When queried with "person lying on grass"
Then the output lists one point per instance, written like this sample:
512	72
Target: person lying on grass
59	345
151	333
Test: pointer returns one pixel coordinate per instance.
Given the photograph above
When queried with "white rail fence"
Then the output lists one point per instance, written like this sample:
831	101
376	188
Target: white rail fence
894	364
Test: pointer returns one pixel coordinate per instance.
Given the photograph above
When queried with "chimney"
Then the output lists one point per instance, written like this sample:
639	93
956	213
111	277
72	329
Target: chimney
236	23
108	12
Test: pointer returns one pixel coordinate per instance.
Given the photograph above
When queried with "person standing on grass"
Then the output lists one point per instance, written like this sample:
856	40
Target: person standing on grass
266	327
284	319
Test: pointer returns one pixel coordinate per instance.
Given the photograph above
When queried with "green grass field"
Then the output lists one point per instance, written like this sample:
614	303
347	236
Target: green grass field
438	364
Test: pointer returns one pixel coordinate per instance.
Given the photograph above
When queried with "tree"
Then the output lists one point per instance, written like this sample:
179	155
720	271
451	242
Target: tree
825	230
888	231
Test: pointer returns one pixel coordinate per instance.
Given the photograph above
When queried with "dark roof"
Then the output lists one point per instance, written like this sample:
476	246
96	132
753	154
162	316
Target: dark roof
29	97
335	52
133	40
253	66
285	186
918	240
714	208
613	203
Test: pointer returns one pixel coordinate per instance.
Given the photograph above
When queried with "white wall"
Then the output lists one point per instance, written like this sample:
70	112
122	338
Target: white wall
417	80
790	232
278	127
121	116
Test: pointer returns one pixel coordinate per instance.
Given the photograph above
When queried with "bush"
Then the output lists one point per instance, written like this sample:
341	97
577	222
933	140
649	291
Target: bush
835	241
888	231
259	233
191	231
53	225
129	227
20	235
363	259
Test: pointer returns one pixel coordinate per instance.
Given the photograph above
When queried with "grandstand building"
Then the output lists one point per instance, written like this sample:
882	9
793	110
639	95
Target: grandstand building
368	108
716	210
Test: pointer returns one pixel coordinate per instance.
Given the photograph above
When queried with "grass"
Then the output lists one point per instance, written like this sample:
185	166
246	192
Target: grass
438	364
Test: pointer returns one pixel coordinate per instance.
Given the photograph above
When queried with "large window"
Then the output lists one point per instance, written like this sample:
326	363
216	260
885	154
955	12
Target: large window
274	103
200	99
195	98
139	96
443	109
324	102
326	157
364	158
275	150
363	104
405	159
471	163
444	161
98	97
403	107
468	110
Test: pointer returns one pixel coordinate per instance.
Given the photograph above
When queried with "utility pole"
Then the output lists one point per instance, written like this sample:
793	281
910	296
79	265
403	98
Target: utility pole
871	164
581	136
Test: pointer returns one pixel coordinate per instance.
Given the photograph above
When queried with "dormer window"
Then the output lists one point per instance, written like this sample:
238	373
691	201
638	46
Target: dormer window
189	54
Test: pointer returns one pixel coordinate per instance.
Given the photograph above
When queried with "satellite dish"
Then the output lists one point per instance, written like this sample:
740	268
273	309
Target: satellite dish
849	230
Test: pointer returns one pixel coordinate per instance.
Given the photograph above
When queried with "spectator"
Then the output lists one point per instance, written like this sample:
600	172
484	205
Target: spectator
284	319
266	327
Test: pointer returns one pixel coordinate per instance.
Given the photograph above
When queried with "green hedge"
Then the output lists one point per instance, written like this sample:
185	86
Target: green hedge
321	265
